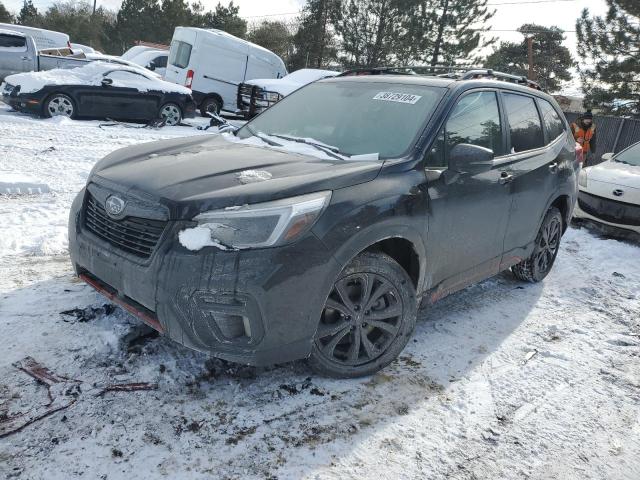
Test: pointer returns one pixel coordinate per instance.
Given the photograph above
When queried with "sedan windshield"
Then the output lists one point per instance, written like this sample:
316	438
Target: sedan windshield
353	118
630	156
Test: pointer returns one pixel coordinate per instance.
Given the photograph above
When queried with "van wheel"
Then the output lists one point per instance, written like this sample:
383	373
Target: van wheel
538	265
367	319
210	105
59	105
171	113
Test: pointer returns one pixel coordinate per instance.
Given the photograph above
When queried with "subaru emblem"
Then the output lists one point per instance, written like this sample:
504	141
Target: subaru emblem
114	206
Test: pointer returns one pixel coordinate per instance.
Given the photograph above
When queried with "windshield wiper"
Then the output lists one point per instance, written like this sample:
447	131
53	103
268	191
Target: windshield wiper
333	152
263	137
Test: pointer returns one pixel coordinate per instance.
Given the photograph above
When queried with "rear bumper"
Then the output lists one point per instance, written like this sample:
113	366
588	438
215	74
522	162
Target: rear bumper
256	307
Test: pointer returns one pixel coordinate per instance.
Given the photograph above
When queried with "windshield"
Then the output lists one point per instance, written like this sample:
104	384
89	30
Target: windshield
630	156
356	118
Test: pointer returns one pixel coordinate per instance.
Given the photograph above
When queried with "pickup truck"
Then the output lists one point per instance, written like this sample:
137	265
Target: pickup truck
18	53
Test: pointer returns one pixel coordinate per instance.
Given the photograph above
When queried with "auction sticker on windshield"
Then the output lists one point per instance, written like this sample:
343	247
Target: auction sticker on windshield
398	97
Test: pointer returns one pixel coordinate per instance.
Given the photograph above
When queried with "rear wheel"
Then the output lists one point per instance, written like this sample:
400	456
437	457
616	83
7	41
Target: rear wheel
59	105
171	113
538	265
210	105
367	319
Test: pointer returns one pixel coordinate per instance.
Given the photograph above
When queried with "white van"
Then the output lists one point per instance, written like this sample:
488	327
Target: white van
44	38
213	63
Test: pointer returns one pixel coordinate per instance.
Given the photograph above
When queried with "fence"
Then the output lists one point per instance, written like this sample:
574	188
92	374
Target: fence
613	134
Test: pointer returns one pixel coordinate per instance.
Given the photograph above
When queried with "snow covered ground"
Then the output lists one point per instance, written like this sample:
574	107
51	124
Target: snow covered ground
503	380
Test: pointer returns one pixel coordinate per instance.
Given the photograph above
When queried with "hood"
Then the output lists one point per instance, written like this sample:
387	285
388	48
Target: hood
615	173
194	174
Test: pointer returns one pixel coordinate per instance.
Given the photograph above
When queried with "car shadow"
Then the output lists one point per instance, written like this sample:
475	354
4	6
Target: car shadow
278	412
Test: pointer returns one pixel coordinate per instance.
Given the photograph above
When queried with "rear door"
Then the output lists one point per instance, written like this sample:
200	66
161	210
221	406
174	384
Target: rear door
534	167
181	55
129	97
469	212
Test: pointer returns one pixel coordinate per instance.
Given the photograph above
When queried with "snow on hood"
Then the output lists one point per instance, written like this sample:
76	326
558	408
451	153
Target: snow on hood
615	173
285	85
92	74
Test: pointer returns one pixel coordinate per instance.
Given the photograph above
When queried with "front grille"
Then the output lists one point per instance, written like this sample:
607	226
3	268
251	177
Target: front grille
609	210
138	236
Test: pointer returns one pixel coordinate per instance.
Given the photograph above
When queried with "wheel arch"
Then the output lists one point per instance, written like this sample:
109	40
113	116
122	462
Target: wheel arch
563	203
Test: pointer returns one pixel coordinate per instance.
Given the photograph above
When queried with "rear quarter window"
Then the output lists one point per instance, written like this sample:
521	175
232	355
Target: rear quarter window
553	124
525	129
12	42
180	54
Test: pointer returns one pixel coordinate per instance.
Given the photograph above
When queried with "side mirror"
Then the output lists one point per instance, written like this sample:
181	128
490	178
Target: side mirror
471	159
607	156
151	66
107	82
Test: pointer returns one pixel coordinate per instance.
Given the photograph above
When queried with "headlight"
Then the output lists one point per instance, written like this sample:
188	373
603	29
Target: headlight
582	178
254	226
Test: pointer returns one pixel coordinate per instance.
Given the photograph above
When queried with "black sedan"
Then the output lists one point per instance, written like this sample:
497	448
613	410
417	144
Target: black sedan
99	90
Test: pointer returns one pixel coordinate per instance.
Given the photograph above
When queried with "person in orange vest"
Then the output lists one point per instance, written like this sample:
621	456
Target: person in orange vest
584	131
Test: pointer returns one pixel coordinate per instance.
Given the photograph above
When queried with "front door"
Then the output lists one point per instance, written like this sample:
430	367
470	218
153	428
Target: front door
468	212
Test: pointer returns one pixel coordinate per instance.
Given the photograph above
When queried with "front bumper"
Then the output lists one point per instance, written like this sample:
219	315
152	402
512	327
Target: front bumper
251	306
604	211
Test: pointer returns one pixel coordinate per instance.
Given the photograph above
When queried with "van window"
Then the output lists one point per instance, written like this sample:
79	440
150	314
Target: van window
474	120
180	54
524	122
13	42
552	122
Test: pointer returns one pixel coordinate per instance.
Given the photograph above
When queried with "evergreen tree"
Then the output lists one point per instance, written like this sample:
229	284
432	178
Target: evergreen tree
5	15
137	20
273	35
609	47
551	60
370	31
223	18
314	43
445	32
29	15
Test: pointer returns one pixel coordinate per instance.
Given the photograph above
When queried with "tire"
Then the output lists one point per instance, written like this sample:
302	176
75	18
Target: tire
210	104
538	265
59	105
367	319
172	113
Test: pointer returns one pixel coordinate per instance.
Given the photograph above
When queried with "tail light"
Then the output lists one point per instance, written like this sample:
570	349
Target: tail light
189	81
579	153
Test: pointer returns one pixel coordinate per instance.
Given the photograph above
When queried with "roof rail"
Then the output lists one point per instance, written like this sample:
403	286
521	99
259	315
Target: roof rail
444	71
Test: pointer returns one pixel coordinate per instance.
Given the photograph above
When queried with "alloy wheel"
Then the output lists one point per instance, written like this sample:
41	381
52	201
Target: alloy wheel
361	318
548	245
60	105
172	114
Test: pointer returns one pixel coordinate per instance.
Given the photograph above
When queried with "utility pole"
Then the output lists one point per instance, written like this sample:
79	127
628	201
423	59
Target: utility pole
530	54
94	8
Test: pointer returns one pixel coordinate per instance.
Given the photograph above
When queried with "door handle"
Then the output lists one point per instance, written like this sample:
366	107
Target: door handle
26	58
553	168
505	177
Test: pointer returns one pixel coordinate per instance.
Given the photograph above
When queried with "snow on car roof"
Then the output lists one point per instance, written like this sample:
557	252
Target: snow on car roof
92	74
15	33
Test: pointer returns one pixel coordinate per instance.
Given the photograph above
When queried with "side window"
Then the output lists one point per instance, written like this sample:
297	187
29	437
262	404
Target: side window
180	54
524	122
12	43
161	61
553	124
475	120
125	78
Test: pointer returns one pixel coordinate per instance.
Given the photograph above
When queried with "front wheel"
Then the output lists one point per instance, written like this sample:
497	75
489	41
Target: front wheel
367	319
171	113
59	105
538	265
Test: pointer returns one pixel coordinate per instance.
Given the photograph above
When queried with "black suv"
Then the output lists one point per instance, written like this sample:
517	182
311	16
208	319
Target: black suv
318	228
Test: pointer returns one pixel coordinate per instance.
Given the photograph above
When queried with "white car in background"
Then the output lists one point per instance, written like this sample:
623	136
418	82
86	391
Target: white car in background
610	191
154	60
